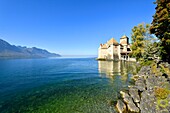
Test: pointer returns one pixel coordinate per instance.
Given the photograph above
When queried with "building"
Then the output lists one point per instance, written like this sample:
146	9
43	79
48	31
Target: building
112	50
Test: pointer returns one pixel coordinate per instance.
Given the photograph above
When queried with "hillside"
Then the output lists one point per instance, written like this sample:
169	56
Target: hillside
12	51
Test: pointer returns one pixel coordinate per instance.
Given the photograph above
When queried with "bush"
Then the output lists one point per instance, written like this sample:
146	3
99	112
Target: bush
163	103
161	93
146	63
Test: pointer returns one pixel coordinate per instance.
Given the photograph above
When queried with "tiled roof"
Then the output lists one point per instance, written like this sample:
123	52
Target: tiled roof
112	41
123	42
104	46
124	36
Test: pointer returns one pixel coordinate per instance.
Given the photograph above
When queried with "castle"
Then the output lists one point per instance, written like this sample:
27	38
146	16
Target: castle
112	50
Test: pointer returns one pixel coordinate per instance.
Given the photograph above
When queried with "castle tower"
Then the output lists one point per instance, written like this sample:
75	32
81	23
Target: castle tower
124	48
124	40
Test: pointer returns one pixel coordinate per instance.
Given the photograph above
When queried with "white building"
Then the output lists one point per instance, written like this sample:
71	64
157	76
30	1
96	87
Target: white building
112	50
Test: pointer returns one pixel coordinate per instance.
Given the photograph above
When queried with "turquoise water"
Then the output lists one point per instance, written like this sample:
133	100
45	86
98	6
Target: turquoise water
62	85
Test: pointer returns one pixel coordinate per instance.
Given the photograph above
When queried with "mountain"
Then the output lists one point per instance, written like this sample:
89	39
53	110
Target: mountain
12	51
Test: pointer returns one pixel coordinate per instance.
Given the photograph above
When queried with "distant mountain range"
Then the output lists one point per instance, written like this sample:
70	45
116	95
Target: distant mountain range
11	51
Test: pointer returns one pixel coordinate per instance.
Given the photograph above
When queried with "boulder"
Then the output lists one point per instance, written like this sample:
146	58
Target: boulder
153	81
130	104
164	111
123	94
135	77
145	70
126	98
120	106
133	91
147	103
140	84
132	108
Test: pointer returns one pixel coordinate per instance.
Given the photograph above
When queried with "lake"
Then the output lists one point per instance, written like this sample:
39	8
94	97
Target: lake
62	85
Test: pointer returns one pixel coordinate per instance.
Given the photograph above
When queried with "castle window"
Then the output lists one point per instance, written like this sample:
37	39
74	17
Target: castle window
128	49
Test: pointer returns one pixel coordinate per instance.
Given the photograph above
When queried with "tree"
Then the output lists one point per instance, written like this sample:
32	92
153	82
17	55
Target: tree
161	27
137	37
151	51
144	45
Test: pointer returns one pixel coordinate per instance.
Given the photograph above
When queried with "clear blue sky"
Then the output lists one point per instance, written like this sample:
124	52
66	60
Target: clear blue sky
70	27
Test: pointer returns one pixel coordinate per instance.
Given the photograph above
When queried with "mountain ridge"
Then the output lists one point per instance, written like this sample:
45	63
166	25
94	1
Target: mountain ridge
12	51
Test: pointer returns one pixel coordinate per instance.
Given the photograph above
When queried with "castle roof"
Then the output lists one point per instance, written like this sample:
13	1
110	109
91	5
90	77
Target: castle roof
124	36
112	41
104	46
123	42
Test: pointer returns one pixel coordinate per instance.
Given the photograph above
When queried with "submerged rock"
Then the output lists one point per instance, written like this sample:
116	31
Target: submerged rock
121	106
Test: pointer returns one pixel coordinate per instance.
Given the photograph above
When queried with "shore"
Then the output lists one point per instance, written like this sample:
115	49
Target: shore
151	92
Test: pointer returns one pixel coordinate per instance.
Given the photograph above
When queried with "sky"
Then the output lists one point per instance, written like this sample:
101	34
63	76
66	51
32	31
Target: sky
71	27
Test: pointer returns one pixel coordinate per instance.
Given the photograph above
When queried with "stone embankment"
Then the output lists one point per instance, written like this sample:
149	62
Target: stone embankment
150	94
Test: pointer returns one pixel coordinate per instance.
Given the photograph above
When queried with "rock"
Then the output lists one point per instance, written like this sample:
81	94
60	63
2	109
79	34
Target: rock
123	94
164	111
166	64
138	105
121	106
133	91
140	84
169	66
145	84
135	77
145	70
153	81
128	100
132	108
147	103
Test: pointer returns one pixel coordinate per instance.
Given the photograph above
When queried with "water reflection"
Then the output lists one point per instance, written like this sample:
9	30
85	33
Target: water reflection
111	68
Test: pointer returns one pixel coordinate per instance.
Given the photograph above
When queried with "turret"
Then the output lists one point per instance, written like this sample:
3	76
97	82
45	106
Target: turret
124	40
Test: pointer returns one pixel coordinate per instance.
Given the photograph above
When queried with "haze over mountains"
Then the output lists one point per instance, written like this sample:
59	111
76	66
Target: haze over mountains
11	51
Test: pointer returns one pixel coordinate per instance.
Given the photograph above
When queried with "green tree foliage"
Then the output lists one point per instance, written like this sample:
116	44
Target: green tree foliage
138	33
151	47
151	51
144	45
137	41
161	27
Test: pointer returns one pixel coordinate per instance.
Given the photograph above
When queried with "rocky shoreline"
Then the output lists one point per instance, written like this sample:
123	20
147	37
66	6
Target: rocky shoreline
151	92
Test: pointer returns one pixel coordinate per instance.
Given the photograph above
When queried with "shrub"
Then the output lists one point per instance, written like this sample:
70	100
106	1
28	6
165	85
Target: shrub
161	93
162	103
146	63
